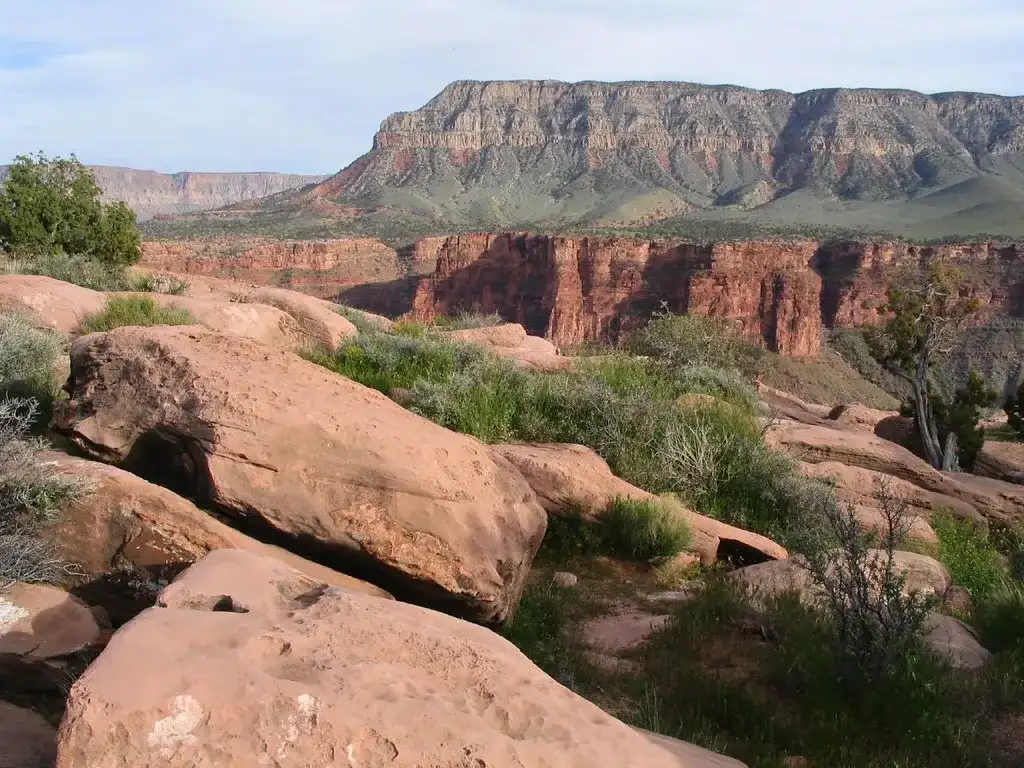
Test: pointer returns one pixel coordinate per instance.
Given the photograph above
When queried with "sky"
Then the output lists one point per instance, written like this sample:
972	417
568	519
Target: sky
302	85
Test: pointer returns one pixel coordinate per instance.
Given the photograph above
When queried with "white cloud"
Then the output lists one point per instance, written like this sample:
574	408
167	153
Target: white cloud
302	85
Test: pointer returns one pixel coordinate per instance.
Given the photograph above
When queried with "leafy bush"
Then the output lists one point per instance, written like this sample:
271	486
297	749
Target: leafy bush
999	617
136	310
28	359
386	362
764	682
569	536
411	328
78	270
973	562
641	530
465	320
679	340
31	496
55	206
876	623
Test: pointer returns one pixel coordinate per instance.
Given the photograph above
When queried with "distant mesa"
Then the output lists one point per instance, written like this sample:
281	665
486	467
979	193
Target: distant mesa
550	156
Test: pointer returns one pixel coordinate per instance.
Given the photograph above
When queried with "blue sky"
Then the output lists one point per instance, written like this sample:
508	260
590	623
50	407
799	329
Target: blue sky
302	85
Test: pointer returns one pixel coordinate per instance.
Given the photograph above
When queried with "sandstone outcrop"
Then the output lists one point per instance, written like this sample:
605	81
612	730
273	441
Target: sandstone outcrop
322	268
859	416
308	676
313	458
562	474
954	641
49	303
509	340
127	537
1001	461
28	740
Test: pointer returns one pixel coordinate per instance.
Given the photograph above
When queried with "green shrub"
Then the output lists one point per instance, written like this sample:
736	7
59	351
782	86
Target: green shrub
679	340
135	310
538	629
386	362
972	560
569	537
712	455
356	317
31	496
78	270
411	328
999	617
465	320
636	529
28	359
158	283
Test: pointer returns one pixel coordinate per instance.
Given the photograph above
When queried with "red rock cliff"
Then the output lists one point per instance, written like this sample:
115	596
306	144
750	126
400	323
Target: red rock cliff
571	289
588	288
322	268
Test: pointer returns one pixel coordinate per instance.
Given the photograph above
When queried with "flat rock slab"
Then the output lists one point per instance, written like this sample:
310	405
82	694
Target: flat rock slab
332	678
623	632
39	622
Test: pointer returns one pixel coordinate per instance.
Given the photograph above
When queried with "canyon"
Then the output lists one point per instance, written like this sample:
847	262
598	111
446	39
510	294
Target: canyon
784	294
152	194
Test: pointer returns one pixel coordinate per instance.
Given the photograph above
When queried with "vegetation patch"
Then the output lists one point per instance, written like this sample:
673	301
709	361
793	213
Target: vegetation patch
28	360
973	561
136	310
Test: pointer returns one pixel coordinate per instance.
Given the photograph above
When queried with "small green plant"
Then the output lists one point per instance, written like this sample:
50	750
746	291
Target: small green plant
154	282
28	360
465	320
411	328
999	617
538	629
680	340
136	310
973	561
32	495
639	529
569	537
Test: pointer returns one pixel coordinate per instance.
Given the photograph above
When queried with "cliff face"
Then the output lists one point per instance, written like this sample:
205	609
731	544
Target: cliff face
152	194
782	294
523	154
323	268
575	289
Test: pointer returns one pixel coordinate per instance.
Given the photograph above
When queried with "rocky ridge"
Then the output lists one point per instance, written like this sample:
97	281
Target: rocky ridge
150	194
549	154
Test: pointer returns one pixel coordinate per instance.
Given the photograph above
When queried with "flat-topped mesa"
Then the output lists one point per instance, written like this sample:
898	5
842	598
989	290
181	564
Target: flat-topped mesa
782	294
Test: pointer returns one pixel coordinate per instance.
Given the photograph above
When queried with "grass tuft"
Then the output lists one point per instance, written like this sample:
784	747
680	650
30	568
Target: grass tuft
135	311
642	530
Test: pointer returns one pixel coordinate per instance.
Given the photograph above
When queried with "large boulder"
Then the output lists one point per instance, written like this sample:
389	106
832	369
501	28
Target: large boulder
861	487
312	677
49	303
312	458
267	325
955	642
43	632
923	575
128	537
509	340
859	417
26	739
319	320
1001	461
564	475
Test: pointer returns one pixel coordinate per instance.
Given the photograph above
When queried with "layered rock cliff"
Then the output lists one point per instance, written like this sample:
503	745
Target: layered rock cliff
783	294
545	154
321	268
152	194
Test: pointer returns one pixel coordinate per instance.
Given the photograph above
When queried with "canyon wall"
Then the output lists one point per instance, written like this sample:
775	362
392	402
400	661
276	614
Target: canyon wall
783	294
321	268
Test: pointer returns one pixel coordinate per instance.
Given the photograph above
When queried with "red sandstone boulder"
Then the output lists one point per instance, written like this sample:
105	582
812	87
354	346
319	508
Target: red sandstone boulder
1001	461
260	434
859	416
26	739
127	537
563	473
314	677
510	340
50	303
